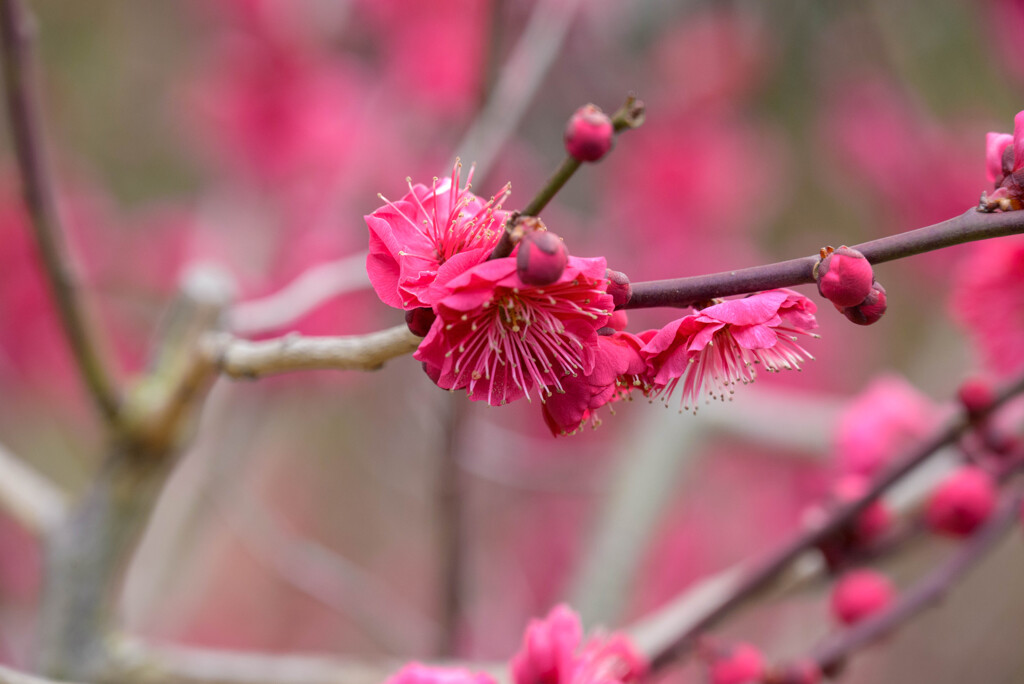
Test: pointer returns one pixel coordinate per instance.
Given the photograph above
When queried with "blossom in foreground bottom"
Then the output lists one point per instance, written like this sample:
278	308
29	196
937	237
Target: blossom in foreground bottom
500	339
716	347
428	237
618	369
551	654
417	673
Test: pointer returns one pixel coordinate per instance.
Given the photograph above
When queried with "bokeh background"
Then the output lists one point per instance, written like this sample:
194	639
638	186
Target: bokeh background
310	513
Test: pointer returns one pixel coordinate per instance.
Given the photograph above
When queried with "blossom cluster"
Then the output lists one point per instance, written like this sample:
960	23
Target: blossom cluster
553	652
540	322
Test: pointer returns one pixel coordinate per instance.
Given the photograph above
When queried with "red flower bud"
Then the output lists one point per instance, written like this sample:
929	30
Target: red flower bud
860	593
619	287
962	502
541	259
876	518
589	134
844	277
869	310
739	664
976	395
419	320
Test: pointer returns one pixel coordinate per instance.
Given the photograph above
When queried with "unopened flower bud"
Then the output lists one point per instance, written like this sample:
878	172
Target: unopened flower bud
870	310
419	320
874	521
962	502
541	259
976	395
800	672
844	277
589	134
619	287
860	593
738	664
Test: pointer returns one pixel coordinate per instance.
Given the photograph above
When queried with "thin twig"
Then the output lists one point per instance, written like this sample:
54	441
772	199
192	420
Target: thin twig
32	499
763	573
314	287
137	662
925	592
244	359
450	499
328	577
520	78
23	104
11	676
630	115
682	292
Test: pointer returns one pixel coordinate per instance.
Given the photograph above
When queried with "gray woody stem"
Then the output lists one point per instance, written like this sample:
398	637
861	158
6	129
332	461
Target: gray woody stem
16	31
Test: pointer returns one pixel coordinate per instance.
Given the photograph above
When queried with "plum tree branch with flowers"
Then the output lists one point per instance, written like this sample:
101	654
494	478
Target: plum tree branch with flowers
496	306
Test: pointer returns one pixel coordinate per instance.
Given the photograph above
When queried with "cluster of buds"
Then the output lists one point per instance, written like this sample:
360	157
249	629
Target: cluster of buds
846	279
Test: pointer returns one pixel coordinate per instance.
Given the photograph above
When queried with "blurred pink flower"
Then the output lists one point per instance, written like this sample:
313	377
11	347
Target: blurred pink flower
714	55
428	237
618	368
1003	31
674	185
716	347
548	653
988	300
416	673
551	654
500	339
433	52
889	416
884	143
278	111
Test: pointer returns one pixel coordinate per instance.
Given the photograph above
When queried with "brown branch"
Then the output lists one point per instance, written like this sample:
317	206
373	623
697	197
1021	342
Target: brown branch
925	592
970	226
244	359
764	573
23	104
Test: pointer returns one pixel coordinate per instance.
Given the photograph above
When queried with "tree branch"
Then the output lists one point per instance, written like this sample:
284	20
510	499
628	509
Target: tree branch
32	499
313	288
970	226
141	663
244	359
765	572
925	592
16	33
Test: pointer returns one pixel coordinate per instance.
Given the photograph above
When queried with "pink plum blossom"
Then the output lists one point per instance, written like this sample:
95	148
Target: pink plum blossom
887	417
548	653
428	237
551	654
417	673
716	347
500	339
988	300
618	368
